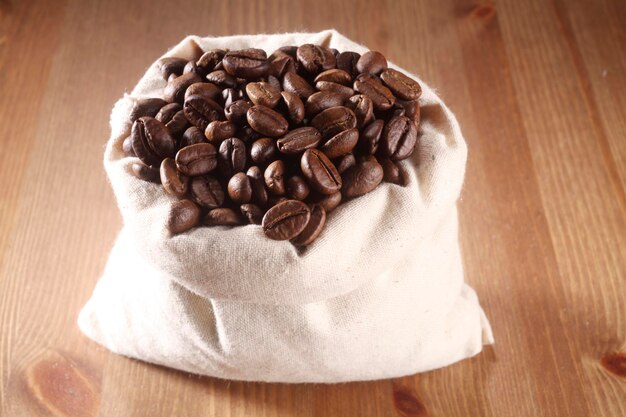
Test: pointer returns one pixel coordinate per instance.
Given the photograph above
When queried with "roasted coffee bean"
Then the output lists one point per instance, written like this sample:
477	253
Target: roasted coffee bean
370	137
191	67
347	61
198	159
257	183
361	179
184	215
192	136
237	111
248	135
173	117
274	177
239	188
146	107
291	50
401	86
267	121
175	90
172	77
372	62
219	130
411	109
294	83
363	109
341	144
313	228
381	96
322	100
246	63
174	182
252	213
329	202
282	65
263	151
232	157
399	138
263	94
320	172
171	65
391	171
146	173
335	51
286	220
127	147
345	92
346	162
297	188
201	111
315	58
206	90
151	140
335	76
274	82
207	191
222	216
230	95
334	120
222	79
299	140
207	62
294	105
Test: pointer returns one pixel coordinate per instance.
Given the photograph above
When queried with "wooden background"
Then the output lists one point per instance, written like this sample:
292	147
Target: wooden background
539	88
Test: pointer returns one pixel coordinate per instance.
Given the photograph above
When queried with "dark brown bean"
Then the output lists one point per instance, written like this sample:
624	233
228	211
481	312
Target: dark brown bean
291	50
127	147
252	213
282	65
334	120
335	76
246	63
315	58
346	92
207	191
263	151
230	95
152	142
222	216
206	90
299	140
207	62
146	107
294	83
346	162
267	121
236	112
263	94
381	96
174	182
274	177
313	228
172	77
347	62
201	111
257	183
401	86
399	138
371	62
248	135
286	220
297	188
329	202
322	100
341	144
275	82
198	159
391	171
175	90
239	188
191	67
173	117
146	173
294	105
219	130
232	157
184	215
320	172
192	136
222	79
363	109
361	179
411	110
370	137
171	65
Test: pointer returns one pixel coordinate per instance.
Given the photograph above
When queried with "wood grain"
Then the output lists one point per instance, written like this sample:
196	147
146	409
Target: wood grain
538	88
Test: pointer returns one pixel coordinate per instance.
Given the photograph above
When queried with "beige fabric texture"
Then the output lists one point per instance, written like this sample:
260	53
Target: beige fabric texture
380	294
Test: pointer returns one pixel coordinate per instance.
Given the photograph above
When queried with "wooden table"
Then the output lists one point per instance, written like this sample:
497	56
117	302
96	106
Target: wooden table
539	88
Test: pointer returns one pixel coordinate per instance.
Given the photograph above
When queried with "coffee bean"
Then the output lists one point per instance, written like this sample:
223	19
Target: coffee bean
239	188
346	92
320	173
236	112
346	162
230	95
127	147
297	188
347	61
286	220
401	86
282	65
248	135
329	202
372	62
299	140
399	138
274	82
313	228
263	151
291	50
381	96
263	94
207	191
207	62
146	107
222	216
192	136
370	137
206	90
171	65
184	215
219	130
222	79
172	77
252	213
246	63
361	179
294	83
294	105
322	100
267	121
335	76
201	111
191	67
151	141
174	182
175	90
146	173
257	183
315	58
411	109
391	171
341	144
363	109
198	159
274	177
232	157
173	117
334	120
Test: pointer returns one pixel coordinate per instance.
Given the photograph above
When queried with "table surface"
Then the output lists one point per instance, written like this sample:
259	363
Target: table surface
539	88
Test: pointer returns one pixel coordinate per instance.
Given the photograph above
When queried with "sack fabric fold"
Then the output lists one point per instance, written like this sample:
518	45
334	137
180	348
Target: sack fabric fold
379	294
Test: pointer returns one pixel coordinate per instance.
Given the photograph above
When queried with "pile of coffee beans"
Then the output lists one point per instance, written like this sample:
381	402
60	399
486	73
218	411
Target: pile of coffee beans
239	137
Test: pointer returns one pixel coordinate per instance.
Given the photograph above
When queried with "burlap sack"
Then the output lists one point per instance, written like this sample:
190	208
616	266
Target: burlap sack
380	294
